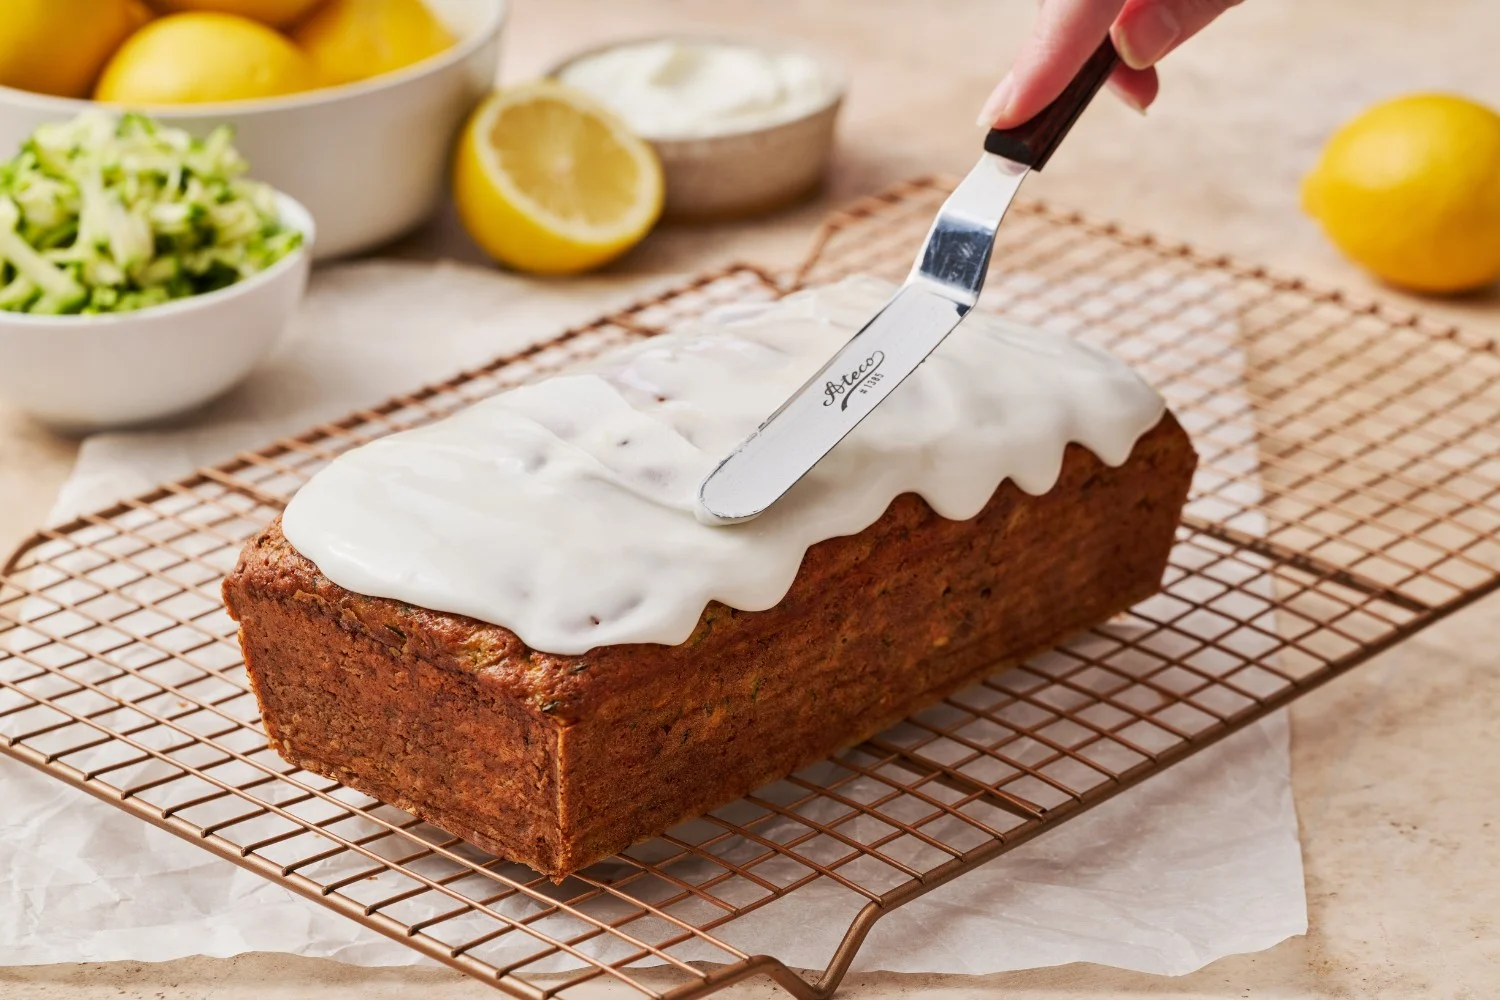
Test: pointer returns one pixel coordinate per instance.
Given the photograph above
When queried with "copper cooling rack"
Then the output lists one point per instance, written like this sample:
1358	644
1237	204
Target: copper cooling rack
1349	495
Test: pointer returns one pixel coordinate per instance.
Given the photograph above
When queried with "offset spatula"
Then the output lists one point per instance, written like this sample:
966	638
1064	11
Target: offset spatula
943	286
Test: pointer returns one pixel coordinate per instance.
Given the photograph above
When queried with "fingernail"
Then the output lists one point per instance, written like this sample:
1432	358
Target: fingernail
997	102
1146	37
1128	99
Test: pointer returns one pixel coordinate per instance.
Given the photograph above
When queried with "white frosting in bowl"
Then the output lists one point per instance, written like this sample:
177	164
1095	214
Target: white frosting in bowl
564	510
691	88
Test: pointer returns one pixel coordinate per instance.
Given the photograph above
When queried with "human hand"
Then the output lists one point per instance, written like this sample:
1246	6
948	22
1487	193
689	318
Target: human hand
1068	31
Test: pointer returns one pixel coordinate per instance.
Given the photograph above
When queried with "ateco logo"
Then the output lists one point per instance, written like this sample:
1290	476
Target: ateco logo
858	380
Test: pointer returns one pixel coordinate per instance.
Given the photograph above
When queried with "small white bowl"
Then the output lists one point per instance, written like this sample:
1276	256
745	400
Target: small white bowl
735	174
368	159
87	373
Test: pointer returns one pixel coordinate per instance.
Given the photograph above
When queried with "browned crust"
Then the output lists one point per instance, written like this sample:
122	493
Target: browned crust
558	761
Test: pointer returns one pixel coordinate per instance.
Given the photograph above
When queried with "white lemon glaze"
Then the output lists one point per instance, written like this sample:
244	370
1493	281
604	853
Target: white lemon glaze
682	89
564	510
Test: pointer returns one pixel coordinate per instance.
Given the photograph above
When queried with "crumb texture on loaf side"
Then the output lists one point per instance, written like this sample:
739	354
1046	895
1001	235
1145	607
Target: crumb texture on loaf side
560	761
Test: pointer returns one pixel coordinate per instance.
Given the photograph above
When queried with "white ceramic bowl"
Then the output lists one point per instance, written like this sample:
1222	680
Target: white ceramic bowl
86	373
740	173
369	160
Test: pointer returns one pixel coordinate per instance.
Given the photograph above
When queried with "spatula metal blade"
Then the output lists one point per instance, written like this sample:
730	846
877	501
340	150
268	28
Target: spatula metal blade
943	286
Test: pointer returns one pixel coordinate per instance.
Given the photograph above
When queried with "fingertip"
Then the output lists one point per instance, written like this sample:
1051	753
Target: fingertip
997	108
1145	32
1137	88
1066	33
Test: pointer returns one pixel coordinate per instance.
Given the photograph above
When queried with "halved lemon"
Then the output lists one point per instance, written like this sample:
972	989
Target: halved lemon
548	181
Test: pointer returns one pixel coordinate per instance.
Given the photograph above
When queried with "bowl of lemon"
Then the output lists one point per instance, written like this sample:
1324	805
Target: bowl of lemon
350	107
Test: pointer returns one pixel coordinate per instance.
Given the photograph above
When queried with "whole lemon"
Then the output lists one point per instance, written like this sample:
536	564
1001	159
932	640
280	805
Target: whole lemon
356	39
59	46
204	57
277	13
1411	190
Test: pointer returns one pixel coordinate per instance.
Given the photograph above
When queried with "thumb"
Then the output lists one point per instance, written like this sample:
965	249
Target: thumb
1147	30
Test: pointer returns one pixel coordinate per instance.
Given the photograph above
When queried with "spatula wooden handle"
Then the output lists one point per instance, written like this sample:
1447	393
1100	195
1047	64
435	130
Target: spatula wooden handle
1033	142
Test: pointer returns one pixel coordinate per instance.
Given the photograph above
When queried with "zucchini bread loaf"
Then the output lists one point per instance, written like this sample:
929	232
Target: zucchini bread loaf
397	645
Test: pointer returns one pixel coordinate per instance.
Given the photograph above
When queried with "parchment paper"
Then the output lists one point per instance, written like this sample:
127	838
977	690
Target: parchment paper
1200	862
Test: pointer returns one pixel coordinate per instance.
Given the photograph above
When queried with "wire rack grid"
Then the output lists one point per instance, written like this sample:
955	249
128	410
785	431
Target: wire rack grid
1348	495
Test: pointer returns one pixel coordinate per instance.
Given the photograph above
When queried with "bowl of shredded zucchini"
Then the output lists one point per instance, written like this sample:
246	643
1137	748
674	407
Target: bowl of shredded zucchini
142	271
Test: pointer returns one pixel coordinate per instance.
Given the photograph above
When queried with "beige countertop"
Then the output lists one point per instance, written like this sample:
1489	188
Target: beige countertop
1397	787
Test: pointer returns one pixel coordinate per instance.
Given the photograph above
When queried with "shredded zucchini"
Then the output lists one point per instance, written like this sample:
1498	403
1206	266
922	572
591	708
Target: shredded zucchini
108	214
